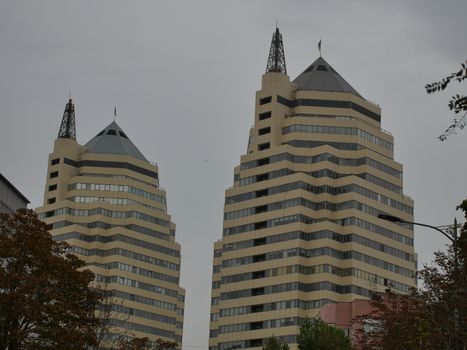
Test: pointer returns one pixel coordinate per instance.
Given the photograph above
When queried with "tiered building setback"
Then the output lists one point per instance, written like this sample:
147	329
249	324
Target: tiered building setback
104	199
301	226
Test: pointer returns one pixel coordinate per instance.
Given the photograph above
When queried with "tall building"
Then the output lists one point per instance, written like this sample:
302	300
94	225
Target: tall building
104	199
11	199
300	222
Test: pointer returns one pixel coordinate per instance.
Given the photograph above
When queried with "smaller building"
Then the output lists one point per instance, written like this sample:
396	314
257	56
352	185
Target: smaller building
344	315
10	198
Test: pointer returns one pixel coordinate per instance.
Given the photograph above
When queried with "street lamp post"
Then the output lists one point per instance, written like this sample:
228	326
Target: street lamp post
452	236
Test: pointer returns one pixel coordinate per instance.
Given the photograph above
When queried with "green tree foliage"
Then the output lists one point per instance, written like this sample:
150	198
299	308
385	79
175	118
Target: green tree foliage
432	318
45	301
145	344
317	335
273	343
458	103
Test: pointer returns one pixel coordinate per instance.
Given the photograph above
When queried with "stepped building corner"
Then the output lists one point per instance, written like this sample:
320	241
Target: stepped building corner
104	199
301	226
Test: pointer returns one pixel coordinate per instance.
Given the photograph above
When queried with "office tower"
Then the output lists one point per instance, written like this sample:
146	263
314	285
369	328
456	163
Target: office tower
300	221
104	199
11	199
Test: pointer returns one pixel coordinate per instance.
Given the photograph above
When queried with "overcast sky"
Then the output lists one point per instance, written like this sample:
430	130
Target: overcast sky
183	76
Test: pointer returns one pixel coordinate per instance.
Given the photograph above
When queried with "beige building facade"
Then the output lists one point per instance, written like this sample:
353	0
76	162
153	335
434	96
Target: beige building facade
104	199
301	226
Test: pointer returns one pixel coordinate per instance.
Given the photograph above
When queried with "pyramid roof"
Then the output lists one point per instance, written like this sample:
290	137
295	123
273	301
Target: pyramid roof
113	140
320	76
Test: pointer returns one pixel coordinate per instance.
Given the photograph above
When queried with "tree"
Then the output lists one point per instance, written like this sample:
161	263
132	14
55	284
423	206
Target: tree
318	335
395	323
433	317
134	344
458	103
162	344
145	344
273	343
45	300
110	322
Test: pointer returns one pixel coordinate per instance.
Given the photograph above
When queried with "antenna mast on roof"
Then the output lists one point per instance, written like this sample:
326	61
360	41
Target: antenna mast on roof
68	125
276	59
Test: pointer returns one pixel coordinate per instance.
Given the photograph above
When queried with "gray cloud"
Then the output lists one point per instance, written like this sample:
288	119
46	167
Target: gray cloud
183	76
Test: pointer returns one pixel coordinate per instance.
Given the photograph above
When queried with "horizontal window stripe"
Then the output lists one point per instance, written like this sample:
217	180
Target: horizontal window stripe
302	202
278	305
315	269
142	313
144	300
267	324
330	104
106	212
109	164
350	221
117	188
316	252
112	201
117	238
251	343
296	286
346	146
317	174
115	176
301	185
326	234
321	158
107	226
136	270
126	253
308	236
145	329
137	284
338	130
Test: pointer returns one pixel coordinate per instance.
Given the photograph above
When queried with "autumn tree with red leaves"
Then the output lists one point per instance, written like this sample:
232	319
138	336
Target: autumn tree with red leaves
433	317
45	299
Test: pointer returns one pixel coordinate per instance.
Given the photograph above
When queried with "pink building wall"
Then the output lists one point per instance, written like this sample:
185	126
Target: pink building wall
342	314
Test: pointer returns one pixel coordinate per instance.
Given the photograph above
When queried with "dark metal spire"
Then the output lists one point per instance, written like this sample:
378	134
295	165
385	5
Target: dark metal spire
68	126
276	60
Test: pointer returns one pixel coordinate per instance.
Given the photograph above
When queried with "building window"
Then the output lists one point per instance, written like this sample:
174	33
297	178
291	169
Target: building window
262	177
258	274
265	115
261	225
257	291
54	174
259	258
264	131
256	325
264	100
52	187
55	161
51	200
264	146
263	161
